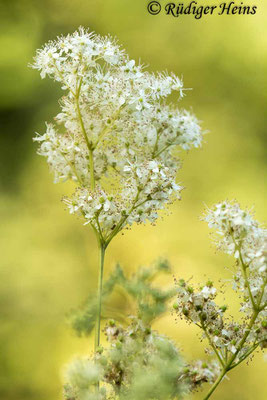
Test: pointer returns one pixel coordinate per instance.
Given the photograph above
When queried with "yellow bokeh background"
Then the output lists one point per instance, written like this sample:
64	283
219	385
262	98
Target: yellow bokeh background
48	258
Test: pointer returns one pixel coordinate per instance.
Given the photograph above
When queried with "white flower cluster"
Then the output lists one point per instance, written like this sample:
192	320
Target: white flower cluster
240	234
146	190
200	372
243	237
116	134
65	157
232	342
198	306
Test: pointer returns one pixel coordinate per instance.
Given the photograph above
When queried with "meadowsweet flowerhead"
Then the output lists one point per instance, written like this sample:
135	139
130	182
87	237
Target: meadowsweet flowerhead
200	372
242	236
116	135
231	341
238	232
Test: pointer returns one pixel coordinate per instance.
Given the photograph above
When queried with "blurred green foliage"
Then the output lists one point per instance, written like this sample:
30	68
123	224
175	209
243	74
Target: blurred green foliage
130	348
150	300
48	260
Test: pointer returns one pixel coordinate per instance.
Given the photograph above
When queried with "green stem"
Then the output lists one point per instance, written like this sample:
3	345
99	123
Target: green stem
102	249
230	364
73	168
238	247
82	124
108	128
123	219
212	389
92	174
63	80
261	296
212	345
232	359
89	145
246	355
244	269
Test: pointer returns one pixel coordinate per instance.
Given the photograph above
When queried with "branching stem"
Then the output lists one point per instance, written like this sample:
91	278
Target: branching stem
212	345
229	364
89	145
257	308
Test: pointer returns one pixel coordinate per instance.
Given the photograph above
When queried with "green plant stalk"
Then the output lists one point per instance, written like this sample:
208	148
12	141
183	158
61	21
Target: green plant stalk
92	175
102	250
88	143
101	243
232	359
212	345
256	310
213	388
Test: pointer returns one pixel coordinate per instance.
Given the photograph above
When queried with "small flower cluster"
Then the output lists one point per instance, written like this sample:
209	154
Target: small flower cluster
143	196
231	342
116	134
242	236
198	306
200	372
65	156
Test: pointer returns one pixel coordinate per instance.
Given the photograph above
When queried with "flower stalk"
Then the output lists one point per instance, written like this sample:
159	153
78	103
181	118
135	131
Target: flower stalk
232	342
102	250
230	365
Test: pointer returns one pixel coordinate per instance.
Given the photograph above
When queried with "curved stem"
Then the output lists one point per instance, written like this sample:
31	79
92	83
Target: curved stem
123	219
91	158
102	249
232	359
92	174
253	348
261	295
73	168
89	145
257	308
108	128
213	346
212	389
163	149
244	269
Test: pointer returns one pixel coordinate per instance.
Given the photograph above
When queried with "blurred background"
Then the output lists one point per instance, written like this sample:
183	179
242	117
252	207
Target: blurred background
48	259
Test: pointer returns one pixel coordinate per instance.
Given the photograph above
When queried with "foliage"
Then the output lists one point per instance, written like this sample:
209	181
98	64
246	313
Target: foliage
121	367
151	301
